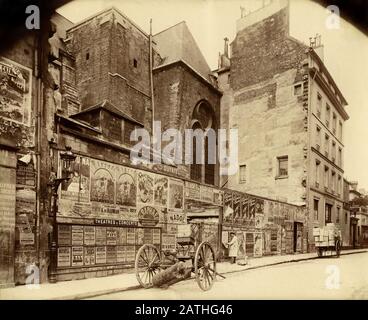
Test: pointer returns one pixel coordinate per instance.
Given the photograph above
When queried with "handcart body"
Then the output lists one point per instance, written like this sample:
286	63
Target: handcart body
327	239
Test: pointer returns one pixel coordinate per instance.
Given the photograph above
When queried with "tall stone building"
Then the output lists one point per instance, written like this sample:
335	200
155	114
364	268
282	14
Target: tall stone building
289	113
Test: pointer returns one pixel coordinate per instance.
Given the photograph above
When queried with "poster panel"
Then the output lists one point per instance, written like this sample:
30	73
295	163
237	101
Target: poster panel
130	253
111	254
15	92
126	187
120	254
258	245
111	236
148	216
176	194
168	242
122	236
145	187
77	235
131	236
156	236
77	188
89	236
102	181
100	236
64	235
77	256
64	257
101	255
89	256
192	191
176	217
161	190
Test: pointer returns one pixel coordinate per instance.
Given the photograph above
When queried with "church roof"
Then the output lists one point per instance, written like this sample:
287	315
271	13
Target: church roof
177	43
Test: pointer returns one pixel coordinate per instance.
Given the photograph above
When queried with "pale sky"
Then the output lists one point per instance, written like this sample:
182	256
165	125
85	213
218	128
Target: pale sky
210	21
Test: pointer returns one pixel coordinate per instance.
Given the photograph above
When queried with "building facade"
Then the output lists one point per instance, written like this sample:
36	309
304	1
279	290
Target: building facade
289	114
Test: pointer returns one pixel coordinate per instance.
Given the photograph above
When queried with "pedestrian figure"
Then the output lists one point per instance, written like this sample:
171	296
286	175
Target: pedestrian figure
233	247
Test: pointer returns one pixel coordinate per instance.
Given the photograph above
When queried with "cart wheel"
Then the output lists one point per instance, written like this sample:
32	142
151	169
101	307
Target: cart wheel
319	252
205	266
147	264
338	248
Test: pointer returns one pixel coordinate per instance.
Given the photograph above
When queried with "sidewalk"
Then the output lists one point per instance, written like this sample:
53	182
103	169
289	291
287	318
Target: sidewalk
87	288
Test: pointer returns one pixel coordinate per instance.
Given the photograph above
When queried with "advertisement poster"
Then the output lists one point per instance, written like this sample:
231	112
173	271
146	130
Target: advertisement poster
168	242
218	196
126	187
192	191
130	253
111	254
131	236
237	208
148	216
77	188
102	181
122	237
89	236
100	236
176	217
77	235
15	92
100	255
64	235
26	174
258	244
89	256
161	191
129	214
140	236
77	256
206	194
111	236
120	254
69	208
145	188
176	194
156	236
64	256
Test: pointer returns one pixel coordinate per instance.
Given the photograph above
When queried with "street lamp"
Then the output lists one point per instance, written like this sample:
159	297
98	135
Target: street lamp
67	159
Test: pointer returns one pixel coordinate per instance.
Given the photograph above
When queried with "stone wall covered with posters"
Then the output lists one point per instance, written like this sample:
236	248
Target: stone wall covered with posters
263	226
107	211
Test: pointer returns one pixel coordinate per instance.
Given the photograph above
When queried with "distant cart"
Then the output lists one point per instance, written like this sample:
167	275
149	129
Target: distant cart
327	240
150	262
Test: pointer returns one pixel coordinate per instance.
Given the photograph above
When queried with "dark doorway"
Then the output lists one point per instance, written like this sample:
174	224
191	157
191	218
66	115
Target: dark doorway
298	237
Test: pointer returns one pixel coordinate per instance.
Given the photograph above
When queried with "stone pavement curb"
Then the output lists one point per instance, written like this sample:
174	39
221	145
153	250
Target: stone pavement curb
110	291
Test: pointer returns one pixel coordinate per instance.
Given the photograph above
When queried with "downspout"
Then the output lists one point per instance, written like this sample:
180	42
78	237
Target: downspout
151	78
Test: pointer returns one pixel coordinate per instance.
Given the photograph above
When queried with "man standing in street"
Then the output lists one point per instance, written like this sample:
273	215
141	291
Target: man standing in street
233	247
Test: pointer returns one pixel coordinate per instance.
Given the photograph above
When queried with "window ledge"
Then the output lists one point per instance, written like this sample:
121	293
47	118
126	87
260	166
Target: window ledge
281	177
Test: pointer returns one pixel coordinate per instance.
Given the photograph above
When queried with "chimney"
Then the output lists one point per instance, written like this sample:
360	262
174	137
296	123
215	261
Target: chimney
226	47
316	43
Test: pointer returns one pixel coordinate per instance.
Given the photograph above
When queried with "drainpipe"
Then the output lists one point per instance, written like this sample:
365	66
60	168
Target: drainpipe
151	77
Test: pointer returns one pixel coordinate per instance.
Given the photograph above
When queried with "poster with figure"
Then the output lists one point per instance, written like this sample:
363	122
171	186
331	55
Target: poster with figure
126	187
102	182
15	92
176	194
145	187
77	188
161	191
89	256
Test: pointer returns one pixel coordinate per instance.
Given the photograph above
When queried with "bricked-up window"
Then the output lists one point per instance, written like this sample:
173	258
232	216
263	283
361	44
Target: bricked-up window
242	173
340	130
327	145
298	89
339	157
283	166
318	138
327	177
319	105
334	123
338	215
315	208
333	180
338	185
328	213
333	151
328	114
318	165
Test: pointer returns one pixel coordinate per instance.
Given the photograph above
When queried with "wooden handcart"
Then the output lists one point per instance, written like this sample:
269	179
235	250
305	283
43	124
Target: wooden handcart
198	259
327	239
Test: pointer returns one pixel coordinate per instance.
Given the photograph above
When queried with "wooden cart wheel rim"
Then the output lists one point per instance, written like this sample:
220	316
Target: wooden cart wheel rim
205	273
150	264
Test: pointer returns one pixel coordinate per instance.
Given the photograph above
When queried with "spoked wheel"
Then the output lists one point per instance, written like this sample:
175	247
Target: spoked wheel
205	266
147	264
338	248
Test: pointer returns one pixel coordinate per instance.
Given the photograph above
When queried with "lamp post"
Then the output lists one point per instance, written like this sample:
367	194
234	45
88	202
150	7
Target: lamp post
67	159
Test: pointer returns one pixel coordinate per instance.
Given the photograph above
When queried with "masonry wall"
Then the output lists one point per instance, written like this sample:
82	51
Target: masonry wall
265	65
177	92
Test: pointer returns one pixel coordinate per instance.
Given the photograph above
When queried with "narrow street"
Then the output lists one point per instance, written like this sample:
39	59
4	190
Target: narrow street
312	279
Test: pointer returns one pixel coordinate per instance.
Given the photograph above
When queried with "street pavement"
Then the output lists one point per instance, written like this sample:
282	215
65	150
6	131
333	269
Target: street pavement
325	278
